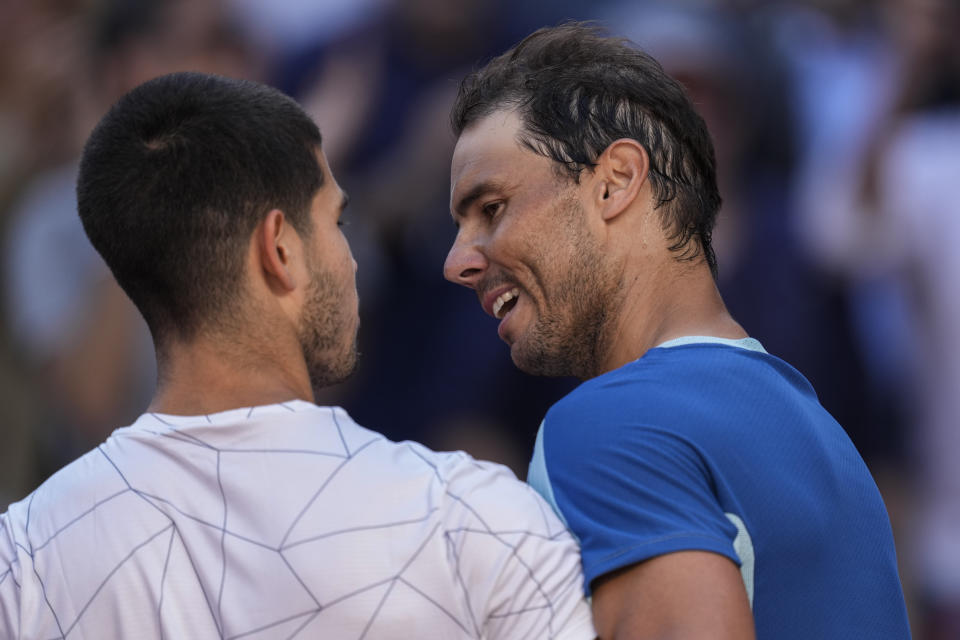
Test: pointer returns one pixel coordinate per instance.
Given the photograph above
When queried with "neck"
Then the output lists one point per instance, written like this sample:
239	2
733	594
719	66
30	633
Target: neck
209	375
676	300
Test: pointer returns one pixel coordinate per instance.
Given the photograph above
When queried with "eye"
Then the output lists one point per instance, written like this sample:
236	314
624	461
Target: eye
493	208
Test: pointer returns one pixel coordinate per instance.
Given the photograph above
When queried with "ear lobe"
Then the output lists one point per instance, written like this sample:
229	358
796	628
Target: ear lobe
623	169
274	240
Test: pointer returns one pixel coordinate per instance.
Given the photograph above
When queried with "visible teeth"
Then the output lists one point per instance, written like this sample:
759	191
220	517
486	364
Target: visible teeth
502	300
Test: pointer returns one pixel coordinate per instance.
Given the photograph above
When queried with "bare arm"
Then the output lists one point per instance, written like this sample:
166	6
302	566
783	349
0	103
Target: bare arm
687	594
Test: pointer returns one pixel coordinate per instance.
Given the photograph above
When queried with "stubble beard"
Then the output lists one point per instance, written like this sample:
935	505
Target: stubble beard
330	352
568	337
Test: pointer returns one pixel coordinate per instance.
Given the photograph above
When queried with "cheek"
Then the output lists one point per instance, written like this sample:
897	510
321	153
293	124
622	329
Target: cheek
347	260
513	241
334	251
346	265
350	259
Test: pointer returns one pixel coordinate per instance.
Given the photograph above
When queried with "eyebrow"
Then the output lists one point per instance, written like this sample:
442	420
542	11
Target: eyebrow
478	191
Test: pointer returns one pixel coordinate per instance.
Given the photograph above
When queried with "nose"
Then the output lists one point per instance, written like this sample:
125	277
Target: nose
465	262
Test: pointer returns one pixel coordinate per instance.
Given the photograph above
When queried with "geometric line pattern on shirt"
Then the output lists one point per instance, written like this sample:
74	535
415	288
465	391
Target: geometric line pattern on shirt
34	563
163	580
223	544
111	574
464	591
216	608
499	537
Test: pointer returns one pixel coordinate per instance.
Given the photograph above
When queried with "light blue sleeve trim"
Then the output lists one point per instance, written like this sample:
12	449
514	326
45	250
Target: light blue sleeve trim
743	545
750	344
539	479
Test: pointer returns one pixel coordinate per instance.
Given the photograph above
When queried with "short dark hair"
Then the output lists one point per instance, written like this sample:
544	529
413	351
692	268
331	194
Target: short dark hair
175	178
577	91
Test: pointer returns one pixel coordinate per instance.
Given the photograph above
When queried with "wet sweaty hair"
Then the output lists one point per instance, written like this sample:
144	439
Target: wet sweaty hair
173	181
577	91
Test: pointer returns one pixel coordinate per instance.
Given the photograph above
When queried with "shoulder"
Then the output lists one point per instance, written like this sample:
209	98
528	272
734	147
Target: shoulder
65	513
635	394
54	530
486	497
657	373
519	565
682	385
11	570
90	479
512	560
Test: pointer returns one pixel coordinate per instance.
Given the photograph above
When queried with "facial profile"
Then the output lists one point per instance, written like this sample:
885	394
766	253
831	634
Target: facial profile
525	247
329	319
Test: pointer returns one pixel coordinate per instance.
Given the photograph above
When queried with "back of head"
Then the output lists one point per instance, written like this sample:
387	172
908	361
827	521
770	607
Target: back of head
578	91
173	181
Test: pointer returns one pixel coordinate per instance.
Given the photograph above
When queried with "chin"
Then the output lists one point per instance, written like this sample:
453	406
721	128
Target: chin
325	372
540	362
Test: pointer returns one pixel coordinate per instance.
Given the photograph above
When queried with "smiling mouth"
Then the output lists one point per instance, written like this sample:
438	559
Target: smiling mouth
505	303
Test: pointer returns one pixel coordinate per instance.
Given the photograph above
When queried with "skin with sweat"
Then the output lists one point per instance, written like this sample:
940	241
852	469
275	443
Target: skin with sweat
596	284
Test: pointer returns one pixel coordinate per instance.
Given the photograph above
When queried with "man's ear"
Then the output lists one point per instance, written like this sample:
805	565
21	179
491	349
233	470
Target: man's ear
620	173
275	239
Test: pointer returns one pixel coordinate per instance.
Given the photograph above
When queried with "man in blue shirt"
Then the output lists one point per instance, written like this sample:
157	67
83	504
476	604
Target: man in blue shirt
712	495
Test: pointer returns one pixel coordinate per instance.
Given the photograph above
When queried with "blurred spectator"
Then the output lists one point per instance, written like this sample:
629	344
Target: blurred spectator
907	190
37	107
836	128
286	26
740	86
38	98
883	99
78	334
432	368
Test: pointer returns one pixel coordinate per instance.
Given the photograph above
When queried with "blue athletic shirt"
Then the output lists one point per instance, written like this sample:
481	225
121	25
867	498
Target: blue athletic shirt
715	445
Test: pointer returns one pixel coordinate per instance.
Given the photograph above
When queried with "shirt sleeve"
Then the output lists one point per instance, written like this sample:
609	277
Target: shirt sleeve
9	587
518	566
629	491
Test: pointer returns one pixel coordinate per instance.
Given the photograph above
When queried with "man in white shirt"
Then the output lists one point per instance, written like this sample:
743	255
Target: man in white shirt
235	507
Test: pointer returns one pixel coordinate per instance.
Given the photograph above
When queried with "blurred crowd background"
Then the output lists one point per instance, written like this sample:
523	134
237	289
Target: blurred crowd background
837	129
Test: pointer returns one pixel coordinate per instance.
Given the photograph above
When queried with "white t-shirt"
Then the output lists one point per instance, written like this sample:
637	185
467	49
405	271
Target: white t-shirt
284	521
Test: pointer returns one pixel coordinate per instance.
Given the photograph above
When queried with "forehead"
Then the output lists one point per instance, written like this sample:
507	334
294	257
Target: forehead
488	151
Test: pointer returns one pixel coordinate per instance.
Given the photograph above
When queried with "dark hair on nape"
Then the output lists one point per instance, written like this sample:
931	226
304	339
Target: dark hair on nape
173	181
577	91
